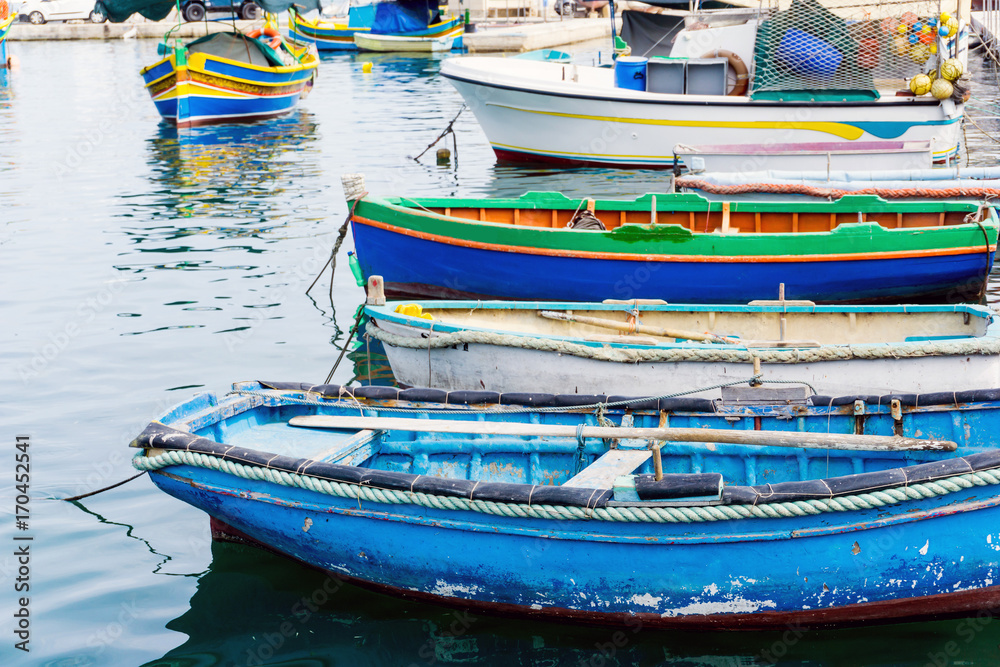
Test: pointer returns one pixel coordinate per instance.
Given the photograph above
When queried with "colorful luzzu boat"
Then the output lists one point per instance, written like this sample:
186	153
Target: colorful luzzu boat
805	76
195	85
766	514
377	19
5	23
677	247
224	77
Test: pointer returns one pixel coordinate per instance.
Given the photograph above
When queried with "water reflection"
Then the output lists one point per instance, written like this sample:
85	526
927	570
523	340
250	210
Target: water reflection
254	608
231	171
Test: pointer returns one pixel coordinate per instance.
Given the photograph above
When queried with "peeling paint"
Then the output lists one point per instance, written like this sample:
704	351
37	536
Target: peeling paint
646	599
923	549
444	589
307	524
731	606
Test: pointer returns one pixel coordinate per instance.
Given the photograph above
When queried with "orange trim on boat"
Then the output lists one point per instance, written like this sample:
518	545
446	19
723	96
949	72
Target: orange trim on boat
635	257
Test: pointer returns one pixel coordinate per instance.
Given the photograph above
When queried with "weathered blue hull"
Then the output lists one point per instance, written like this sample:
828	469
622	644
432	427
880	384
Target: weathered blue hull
873	559
839	569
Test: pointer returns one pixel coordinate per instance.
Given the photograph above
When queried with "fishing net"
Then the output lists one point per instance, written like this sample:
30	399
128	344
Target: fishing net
831	48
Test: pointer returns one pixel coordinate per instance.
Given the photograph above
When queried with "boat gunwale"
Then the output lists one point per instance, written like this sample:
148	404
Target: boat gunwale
441	327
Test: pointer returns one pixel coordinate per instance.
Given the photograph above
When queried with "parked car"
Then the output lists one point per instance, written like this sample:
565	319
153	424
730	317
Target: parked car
571	8
195	10
43	11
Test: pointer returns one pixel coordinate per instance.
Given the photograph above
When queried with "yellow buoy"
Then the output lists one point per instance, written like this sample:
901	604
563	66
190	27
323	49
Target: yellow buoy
945	17
951	69
920	84
952	26
920	53
932	74
933	47
366	68
942	89
413	310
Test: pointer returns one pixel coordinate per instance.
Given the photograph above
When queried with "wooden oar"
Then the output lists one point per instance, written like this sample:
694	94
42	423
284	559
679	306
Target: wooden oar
671	333
753	438
637	328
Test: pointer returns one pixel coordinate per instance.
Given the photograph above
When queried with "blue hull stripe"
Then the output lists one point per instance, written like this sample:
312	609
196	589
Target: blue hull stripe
453	270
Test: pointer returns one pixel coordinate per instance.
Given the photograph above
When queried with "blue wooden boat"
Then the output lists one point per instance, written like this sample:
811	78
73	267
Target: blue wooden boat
743	512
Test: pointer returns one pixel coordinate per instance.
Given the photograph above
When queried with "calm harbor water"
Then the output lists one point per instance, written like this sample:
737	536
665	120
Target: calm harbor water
139	265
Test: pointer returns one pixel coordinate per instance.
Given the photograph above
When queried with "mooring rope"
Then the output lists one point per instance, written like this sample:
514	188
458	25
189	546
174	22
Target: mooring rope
709	513
347	399
976	346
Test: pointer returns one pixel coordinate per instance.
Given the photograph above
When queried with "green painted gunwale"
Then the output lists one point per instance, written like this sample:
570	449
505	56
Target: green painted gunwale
847	238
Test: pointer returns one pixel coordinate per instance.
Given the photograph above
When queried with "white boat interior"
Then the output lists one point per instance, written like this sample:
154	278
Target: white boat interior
764	325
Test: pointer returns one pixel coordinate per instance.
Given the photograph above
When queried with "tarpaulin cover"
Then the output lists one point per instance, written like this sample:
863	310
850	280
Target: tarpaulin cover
235	46
650	34
403	17
156	10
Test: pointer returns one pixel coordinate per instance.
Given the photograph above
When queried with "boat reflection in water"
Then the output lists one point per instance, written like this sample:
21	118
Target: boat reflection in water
232	171
255	608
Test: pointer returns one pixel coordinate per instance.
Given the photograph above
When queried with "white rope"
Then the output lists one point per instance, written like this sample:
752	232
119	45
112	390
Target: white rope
782	510
964	347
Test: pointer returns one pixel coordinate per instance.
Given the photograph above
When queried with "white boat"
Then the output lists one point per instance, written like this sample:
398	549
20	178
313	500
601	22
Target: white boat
709	92
394	43
740	158
645	349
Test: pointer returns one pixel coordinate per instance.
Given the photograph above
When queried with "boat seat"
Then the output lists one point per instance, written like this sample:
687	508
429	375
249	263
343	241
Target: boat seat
351	451
613	463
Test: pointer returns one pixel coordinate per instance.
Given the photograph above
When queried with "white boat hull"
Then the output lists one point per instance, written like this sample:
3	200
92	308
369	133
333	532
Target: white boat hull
547	112
391	43
507	369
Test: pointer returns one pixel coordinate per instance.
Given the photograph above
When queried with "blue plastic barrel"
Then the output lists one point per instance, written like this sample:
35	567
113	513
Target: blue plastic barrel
630	72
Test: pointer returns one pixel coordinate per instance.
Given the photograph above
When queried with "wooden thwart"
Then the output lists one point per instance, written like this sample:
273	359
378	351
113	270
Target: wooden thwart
614	463
754	438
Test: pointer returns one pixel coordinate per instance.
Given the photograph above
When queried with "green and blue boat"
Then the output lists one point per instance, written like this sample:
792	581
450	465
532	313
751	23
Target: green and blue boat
676	247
